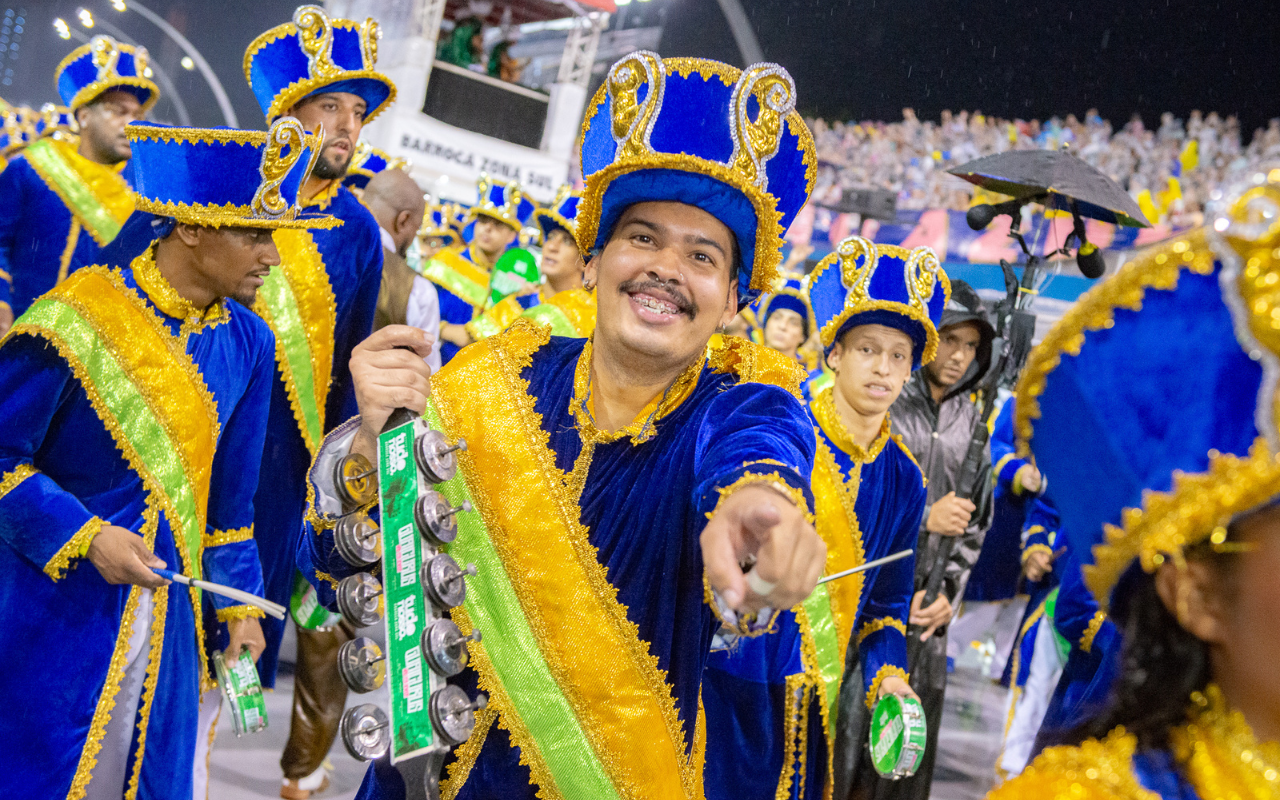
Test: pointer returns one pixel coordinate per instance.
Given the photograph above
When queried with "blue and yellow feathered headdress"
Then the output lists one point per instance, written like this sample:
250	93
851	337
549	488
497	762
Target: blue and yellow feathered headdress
1152	402
562	213
505	202
440	221
788	292
56	120
703	133
224	176
863	283
104	65
368	161
314	54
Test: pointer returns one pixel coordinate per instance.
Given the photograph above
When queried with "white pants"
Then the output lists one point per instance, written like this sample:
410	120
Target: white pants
1030	706
108	781
206	729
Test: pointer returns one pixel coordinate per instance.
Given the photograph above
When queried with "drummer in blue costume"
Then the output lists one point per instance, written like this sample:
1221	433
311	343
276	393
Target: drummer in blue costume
461	276
132	393
1169	493
772	703
560	301
65	199
638	469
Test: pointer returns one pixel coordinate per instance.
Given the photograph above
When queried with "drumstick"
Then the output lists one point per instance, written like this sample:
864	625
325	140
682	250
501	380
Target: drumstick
274	609
869	565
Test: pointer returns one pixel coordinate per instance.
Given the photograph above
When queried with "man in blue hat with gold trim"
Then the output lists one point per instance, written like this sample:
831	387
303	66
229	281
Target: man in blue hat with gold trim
1168	491
63	199
642	468
560	300
131	393
320	303
462	276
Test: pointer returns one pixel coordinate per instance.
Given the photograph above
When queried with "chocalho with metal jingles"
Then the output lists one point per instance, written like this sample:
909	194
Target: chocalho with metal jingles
420	583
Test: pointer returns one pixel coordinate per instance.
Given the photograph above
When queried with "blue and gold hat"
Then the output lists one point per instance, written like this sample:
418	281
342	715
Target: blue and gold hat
699	132
863	283
788	293
562	213
19	129
224	176
104	65
314	54
440	222
1152	402
505	202
55	120
368	161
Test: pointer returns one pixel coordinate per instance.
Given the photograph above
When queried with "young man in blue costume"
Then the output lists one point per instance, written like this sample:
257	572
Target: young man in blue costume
132	393
772	702
1168	491
65	199
462	276
788	323
319	303
626	476
560	301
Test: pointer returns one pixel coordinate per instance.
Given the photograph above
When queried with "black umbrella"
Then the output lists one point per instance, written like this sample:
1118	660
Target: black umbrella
1054	178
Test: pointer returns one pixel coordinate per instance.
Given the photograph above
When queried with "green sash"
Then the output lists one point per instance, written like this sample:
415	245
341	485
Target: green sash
830	660
143	387
548	314
71	187
452	272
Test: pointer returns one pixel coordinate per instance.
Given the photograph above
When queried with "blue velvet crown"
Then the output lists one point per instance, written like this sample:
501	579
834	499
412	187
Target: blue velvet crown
441	221
788	293
505	202
368	161
1152	401
313	54
562	213
102	65
54	120
695	131
863	283
224	176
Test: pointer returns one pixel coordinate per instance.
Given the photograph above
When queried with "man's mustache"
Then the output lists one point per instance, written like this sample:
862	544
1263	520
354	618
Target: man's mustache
667	289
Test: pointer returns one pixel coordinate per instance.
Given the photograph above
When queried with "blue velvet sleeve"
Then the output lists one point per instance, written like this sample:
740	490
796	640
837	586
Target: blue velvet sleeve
1040	529
753	433
1004	459
38	519
11	208
1077	610
230	554
353	330
882	643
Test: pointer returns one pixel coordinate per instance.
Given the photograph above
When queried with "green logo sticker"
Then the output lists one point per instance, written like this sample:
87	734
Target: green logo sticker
898	736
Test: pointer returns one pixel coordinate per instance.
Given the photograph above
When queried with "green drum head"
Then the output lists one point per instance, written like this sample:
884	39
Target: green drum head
898	736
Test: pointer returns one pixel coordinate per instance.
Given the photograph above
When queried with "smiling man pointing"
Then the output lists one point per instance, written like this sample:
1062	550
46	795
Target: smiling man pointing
625	478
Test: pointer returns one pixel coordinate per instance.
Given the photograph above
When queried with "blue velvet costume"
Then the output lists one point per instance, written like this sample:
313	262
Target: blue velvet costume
1040	533
346	278
56	218
771	703
646	540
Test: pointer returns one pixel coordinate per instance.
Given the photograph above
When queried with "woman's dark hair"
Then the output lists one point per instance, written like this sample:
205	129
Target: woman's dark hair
1161	662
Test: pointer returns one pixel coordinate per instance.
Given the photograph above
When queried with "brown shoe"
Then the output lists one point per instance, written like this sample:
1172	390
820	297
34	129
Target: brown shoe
294	790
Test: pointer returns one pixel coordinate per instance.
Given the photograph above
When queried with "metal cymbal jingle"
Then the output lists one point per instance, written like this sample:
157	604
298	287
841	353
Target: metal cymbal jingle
454	715
360	599
362	665
357	539
436	518
366	732
443	580
354	479
445	647
436	458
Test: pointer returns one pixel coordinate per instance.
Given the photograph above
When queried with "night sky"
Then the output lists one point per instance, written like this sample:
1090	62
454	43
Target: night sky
863	59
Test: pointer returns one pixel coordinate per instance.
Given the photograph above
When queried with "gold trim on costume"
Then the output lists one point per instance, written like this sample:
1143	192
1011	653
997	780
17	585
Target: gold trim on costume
239	612
16	476
216	538
159	611
886	670
106	55
1091	632
61	560
1036	548
73	238
755	363
828	417
879	625
464	758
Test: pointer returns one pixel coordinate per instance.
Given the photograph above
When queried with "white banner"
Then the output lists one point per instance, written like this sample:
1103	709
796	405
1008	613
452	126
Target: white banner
437	149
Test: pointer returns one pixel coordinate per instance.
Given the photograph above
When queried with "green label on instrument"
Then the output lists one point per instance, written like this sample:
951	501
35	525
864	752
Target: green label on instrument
898	736
305	608
243	690
408	677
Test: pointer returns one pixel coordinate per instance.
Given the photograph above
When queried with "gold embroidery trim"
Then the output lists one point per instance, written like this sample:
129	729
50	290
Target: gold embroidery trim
69	250
879	625
16	476
828	418
833	502
635	681
327	578
240	612
886	671
1036	548
466	754
216	538
167	300
61	560
794	732
1094	769
644	426
755	363
1221	754
1091	632
771	479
